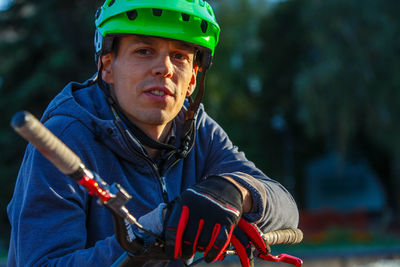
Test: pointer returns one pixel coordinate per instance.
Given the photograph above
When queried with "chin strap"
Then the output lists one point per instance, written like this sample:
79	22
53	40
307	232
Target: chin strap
190	119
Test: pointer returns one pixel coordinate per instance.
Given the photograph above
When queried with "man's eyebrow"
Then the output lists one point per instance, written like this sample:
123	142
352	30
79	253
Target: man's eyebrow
148	40
185	46
142	40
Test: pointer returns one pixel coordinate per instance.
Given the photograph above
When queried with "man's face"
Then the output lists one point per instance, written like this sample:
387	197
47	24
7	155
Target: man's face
150	78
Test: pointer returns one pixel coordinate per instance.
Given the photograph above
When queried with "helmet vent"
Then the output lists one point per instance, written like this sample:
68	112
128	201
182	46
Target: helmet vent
185	17
204	26
111	3
157	12
132	14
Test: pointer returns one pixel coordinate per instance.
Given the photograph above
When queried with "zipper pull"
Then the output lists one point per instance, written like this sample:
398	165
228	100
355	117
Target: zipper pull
164	189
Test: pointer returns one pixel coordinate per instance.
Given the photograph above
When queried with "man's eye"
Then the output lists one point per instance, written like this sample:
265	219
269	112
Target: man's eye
143	51
180	57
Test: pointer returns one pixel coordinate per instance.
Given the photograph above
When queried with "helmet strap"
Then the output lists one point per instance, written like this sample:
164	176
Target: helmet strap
194	105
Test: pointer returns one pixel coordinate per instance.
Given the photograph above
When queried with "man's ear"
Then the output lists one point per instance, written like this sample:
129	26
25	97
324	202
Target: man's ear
192	84
107	71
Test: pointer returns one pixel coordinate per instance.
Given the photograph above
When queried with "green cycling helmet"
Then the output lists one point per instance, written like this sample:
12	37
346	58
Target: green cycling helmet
191	21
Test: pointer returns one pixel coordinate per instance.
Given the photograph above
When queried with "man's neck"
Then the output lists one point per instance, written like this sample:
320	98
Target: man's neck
160	134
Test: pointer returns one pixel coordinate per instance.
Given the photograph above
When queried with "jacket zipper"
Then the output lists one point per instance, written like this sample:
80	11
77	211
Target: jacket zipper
154	167
161	179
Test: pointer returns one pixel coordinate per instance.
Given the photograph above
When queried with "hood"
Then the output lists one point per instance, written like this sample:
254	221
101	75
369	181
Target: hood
84	102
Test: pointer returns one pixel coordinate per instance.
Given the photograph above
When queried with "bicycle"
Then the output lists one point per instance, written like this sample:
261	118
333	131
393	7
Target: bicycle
114	198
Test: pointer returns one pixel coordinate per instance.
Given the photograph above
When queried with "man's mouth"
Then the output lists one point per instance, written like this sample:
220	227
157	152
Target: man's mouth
157	92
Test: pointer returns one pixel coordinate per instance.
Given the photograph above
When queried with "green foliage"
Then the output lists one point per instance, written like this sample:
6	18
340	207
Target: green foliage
331	71
43	45
233	82
349	83
284	43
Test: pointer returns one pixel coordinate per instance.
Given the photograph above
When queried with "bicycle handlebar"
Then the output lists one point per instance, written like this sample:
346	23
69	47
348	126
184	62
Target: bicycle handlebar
47	143
284	236
51	147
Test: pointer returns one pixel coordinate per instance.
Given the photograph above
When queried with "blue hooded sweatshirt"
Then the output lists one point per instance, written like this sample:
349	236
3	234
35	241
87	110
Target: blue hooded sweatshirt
56	223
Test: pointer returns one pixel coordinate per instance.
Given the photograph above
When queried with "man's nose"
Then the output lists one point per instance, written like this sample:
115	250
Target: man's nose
163	66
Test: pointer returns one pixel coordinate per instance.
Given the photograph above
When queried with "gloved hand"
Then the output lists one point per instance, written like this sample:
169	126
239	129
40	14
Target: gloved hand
141	247
134	240
203	219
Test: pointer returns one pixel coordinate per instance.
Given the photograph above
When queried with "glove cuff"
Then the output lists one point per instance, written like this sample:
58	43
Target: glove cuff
154	220
222	190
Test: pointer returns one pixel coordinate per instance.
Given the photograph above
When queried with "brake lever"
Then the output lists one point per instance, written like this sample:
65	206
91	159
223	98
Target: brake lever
259	241
282	258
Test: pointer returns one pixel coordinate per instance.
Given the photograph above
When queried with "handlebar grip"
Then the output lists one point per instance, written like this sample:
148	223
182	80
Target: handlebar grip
284	236
46	142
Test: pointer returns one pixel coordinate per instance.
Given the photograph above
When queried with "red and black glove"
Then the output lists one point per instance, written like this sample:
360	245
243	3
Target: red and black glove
203	219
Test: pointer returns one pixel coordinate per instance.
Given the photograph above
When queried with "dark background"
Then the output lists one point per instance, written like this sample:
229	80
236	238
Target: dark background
309	89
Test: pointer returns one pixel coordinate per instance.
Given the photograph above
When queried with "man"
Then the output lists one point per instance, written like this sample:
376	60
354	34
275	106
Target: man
136	125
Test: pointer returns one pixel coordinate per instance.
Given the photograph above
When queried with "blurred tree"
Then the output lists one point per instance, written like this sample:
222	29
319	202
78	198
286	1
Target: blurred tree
348	87
284	44
328	74
233	83
43	45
